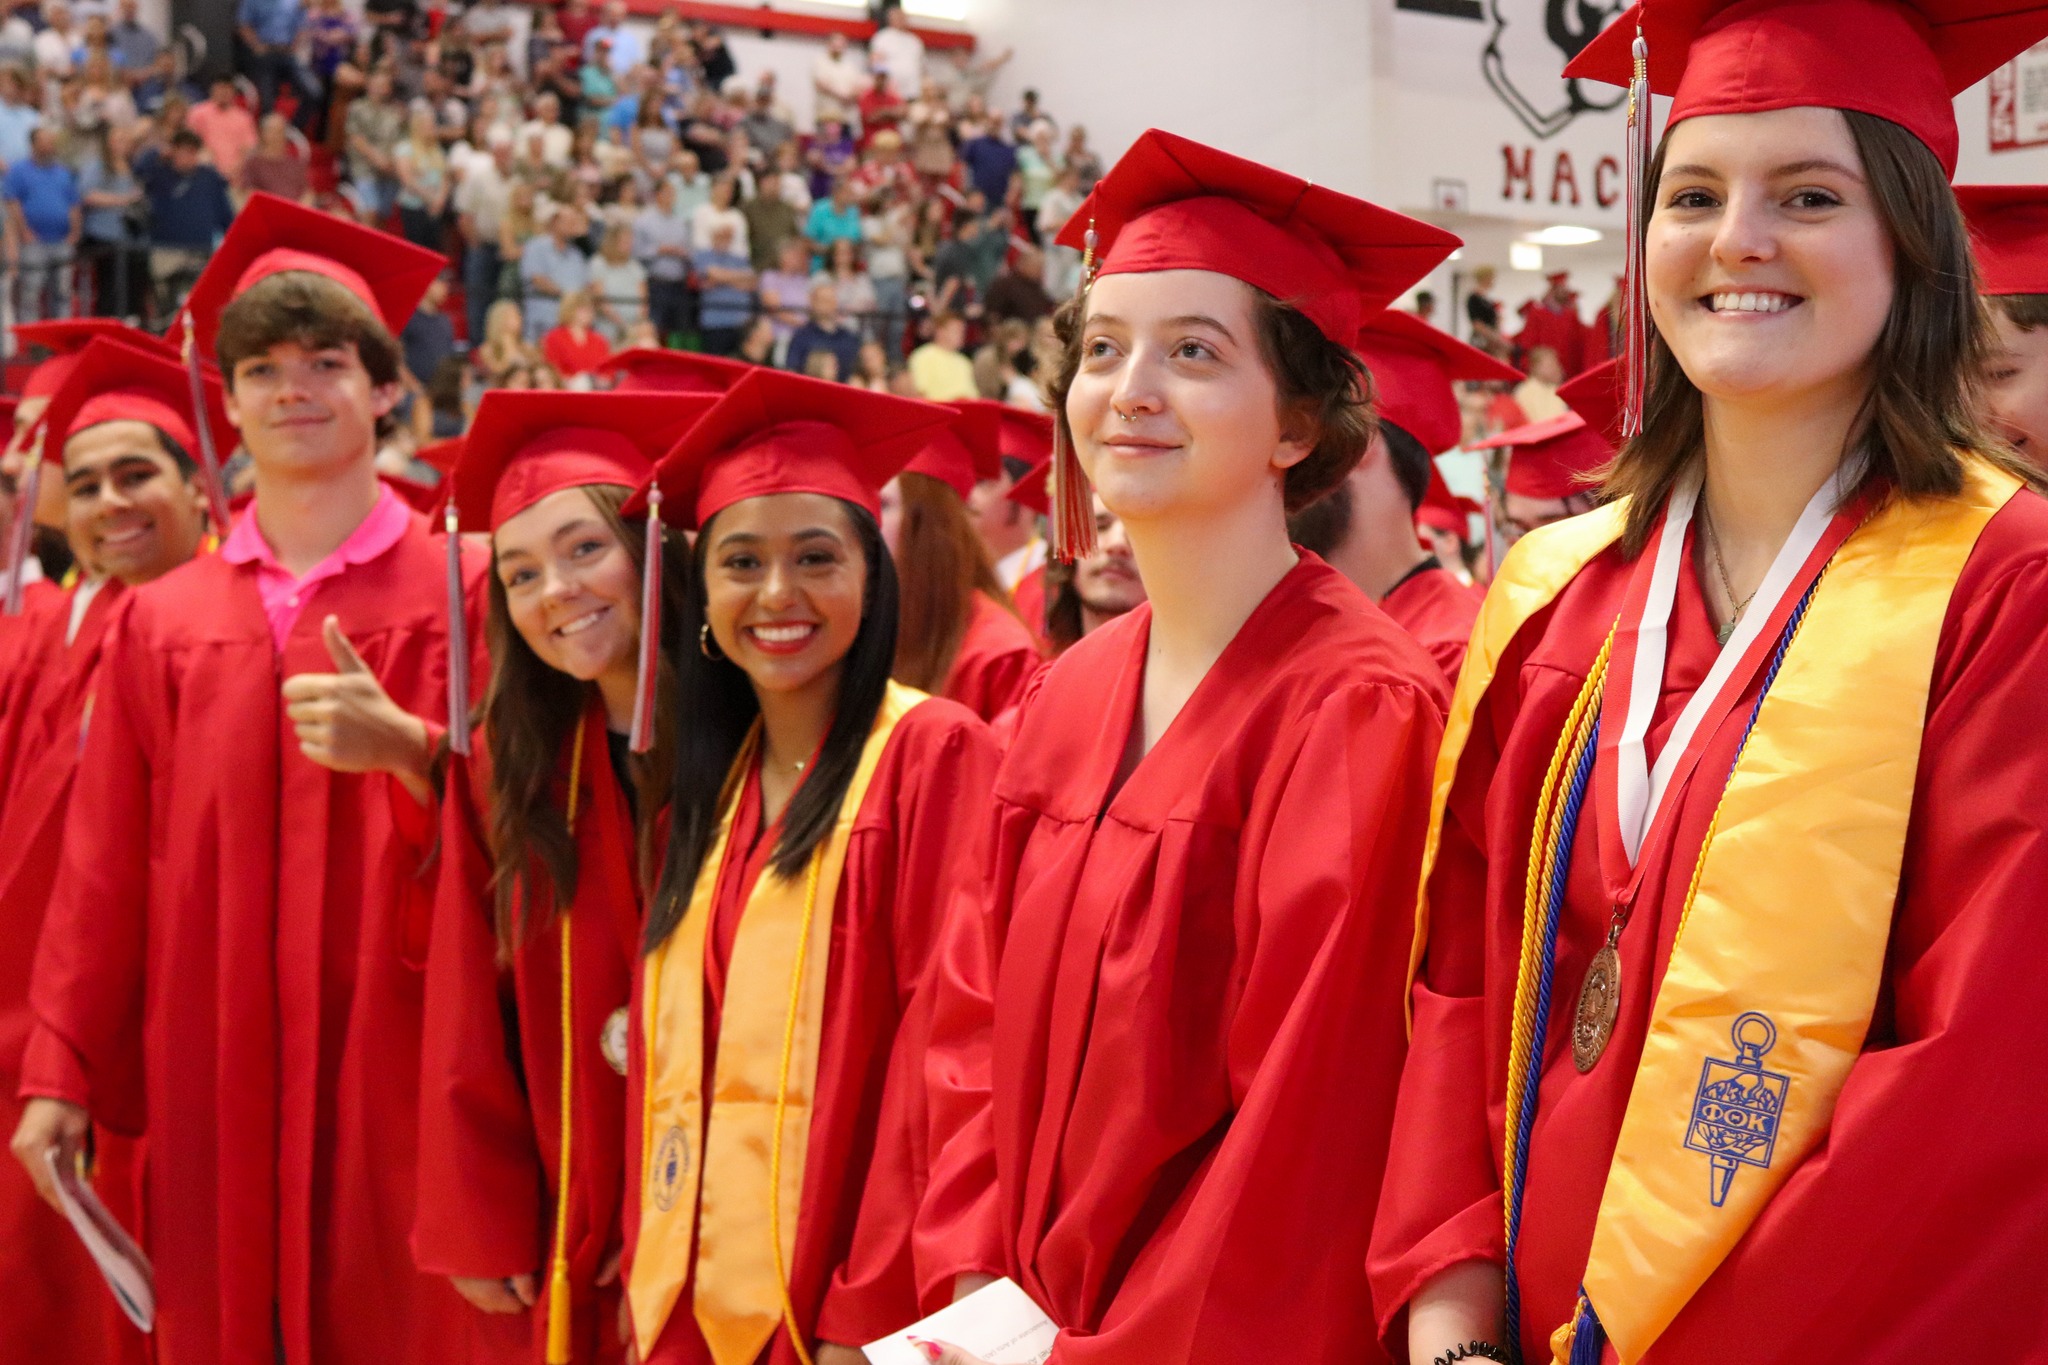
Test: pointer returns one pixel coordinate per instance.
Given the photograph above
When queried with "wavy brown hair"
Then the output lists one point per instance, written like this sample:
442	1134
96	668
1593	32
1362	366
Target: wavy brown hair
1920	420
530	713
1321	384
940	565
311	310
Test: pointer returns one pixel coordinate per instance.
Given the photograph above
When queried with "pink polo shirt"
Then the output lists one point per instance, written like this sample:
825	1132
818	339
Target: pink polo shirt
284	596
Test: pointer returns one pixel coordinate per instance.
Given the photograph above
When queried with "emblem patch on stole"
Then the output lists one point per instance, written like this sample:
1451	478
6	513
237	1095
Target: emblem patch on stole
671	1163
612	1041
1736	1112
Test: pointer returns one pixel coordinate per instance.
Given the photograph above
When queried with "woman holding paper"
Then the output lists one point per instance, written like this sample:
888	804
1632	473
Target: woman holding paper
825	823
1734	782
1210	819
538	901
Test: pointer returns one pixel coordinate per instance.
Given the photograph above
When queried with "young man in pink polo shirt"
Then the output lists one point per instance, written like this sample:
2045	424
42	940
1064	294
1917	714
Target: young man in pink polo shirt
230	864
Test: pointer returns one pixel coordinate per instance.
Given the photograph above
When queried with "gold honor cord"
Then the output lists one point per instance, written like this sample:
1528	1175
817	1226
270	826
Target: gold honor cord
560	1311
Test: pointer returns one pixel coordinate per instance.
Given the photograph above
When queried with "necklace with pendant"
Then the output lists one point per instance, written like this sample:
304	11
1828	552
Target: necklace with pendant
1721	633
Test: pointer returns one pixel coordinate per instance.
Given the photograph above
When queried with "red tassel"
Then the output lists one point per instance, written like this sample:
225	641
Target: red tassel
21	533
650	630
209	458
458	635
1635	341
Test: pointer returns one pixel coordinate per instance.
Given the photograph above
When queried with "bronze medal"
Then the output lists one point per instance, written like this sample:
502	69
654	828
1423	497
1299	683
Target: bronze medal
1599	1003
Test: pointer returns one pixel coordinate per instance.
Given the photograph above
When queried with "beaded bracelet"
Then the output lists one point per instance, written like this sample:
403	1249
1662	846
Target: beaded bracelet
1472	1350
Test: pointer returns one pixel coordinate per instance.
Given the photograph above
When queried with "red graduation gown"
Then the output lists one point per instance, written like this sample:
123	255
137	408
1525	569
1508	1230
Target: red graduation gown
1914	1230
1557	328
1030	602
997	657
917	854
491	1059
31	652
1196	1021
1438	611
232	963
58	1307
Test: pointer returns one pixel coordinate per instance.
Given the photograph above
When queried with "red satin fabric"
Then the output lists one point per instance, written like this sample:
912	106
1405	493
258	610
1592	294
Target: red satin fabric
1438	611
1029	598
491	1061
1875	1249
1196	1016
997	657
918	850
232	963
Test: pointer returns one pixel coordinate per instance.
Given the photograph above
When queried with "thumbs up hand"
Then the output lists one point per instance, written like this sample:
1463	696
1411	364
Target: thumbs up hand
347	722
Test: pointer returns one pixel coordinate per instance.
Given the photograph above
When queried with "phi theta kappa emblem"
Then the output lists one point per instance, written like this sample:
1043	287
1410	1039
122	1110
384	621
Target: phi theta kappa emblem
1736	1113
671	1164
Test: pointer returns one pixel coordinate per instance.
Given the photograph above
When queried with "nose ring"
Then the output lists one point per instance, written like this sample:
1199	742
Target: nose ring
1121	414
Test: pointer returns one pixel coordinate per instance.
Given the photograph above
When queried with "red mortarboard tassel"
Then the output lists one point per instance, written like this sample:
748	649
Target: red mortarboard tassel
1635	341
209	459
21	534
642	737
1073	502
458	634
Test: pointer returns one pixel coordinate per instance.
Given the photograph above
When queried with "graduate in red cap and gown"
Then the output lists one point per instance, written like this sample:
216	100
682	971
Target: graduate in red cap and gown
116	438
230	965
1444	524
826	822
2009	231
957	635
1553	471
36	502
538	906
1366	526
1552	319
1210	820
1725	1032
1015	543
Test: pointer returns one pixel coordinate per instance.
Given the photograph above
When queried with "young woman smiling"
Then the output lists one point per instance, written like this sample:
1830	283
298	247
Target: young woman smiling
826	821
1734	844
1210	820
538	906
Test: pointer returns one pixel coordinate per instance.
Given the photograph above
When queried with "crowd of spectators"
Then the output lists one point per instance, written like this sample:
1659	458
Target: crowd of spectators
596	181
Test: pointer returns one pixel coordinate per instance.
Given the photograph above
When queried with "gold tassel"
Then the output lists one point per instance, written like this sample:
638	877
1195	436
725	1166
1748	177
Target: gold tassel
1073	501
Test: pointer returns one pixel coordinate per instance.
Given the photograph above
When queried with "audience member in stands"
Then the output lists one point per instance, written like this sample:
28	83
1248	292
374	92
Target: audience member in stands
576	349
939	368
551	268
726	303
44	218
421	168
618	283
274	167
227	129
825	329
112	198
374	124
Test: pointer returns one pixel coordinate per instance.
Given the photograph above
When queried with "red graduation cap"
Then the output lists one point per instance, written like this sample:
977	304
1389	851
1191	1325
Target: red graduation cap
1034	490
1023	434
1413	365
775	432
1902	60
272	235
1597	396
523	446
113	381
651	369
964	453
64	338
2009	232
1173	204
526	444
440	455
1443	509
1554	458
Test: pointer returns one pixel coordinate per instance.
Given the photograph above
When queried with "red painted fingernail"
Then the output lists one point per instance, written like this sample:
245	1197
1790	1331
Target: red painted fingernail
930	1349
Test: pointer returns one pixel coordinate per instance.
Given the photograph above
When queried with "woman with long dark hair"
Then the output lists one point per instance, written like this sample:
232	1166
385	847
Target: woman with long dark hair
959	636
545	851
826	822
1210	820
1727	1011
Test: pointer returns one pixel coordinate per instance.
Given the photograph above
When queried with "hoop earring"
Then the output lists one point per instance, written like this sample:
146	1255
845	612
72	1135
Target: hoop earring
706	645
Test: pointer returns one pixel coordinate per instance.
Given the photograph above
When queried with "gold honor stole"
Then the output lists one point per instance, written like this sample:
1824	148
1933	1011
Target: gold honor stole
1784	948
735	1211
